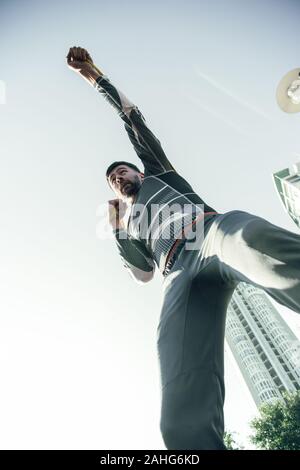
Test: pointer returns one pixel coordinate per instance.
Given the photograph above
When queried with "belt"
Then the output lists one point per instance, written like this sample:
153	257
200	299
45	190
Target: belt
179	244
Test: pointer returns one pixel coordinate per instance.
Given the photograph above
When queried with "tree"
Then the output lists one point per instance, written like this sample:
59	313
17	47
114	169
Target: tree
278	427
230	441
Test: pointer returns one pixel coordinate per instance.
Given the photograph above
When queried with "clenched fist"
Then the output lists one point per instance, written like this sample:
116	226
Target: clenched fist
116	212
78	58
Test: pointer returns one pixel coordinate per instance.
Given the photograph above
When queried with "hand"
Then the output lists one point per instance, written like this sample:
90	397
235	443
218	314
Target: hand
79	58
116	212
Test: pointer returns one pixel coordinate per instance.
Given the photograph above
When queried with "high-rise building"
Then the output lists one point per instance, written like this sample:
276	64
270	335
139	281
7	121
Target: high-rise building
287	183
264	347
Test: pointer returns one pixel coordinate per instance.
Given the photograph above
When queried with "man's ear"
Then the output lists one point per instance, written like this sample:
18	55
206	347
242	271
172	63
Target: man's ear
142	175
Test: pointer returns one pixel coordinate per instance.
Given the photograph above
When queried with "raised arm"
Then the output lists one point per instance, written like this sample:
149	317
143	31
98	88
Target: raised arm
146	145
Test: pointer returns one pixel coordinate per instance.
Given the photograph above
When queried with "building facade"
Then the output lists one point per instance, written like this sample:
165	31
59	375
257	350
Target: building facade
287	184
264	347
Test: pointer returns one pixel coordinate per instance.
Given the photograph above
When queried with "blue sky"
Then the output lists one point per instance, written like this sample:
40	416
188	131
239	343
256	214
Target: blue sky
77	335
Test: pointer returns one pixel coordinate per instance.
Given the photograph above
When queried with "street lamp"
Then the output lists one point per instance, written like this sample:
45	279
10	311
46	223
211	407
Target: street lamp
288	92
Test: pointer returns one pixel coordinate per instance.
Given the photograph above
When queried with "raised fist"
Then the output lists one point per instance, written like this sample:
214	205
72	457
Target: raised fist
78	58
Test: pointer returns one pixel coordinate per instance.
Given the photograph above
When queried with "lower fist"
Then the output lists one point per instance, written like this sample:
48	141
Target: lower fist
116	212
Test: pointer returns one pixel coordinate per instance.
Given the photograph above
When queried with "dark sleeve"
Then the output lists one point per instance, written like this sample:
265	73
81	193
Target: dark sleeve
135	256
146	145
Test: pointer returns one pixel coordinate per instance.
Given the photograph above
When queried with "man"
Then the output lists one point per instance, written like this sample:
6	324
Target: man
199	276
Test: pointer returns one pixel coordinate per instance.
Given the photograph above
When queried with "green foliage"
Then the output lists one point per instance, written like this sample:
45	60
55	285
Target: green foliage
230	442
278	427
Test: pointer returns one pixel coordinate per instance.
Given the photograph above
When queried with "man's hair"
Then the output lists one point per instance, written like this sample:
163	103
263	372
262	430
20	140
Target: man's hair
114	164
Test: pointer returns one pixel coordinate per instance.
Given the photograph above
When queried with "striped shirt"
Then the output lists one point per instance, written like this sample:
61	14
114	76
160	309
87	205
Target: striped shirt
165	202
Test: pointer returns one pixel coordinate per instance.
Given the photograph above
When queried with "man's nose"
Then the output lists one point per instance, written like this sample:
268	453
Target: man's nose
119	180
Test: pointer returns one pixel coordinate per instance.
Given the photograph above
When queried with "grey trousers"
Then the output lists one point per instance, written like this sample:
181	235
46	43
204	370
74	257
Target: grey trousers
238	246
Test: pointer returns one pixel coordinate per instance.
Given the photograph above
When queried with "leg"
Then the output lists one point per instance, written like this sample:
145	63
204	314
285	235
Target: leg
253	250
191	357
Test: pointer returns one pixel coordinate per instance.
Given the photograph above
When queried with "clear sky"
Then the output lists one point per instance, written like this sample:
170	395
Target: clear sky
78	360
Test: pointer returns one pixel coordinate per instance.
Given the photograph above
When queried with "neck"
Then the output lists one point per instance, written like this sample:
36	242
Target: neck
131	199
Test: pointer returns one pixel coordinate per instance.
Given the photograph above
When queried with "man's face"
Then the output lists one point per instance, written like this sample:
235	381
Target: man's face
125	181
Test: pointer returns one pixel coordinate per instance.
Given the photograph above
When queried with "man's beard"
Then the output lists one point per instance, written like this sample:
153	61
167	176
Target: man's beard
133	187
